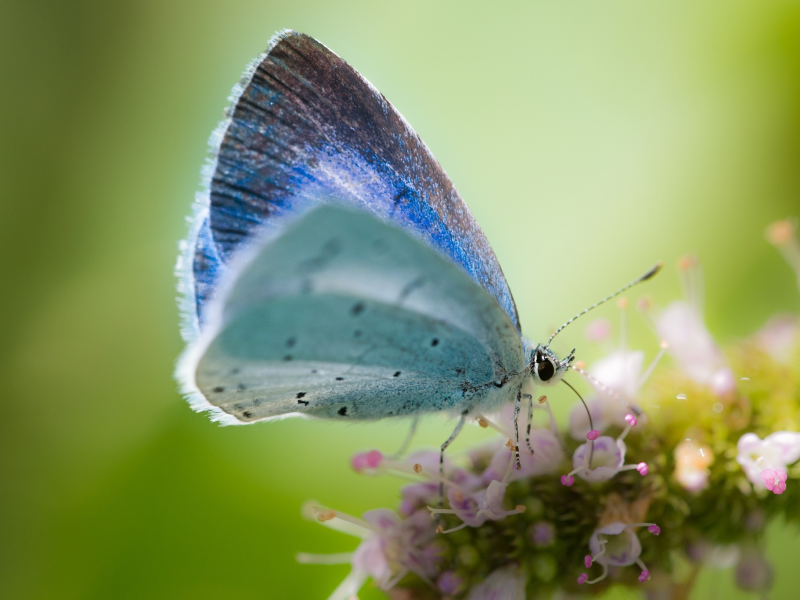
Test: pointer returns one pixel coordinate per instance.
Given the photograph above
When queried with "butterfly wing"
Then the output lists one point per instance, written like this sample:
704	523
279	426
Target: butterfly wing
343	315
304	125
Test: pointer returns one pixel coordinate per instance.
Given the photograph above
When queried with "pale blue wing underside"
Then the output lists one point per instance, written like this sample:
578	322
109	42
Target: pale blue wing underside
345	316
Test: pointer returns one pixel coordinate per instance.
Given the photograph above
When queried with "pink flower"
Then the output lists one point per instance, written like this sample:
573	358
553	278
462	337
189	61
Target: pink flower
779	337
546	459
390	548
692	346
598	330
619	373
753	572
691	465
366	461
617	545
475	508
775	452
607	459
449	583
774	480
543	534
421	494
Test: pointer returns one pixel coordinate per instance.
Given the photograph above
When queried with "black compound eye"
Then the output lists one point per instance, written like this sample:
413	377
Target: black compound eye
546	369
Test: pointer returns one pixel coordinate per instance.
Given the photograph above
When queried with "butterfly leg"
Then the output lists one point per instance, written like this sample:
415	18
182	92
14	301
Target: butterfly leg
516	428
449	441
407	442
530	420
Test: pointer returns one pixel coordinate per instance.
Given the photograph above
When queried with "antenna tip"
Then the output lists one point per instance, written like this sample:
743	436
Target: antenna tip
652	272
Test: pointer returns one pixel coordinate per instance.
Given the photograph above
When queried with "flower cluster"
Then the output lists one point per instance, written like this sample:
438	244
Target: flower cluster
714	438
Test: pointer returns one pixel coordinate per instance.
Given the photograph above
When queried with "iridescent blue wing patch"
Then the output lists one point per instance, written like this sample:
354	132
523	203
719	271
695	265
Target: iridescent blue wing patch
305	126
342	315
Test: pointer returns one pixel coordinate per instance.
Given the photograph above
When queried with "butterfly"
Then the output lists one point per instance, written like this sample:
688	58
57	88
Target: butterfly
333	270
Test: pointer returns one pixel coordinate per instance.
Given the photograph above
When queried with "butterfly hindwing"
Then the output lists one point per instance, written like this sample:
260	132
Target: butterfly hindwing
305	126
343	315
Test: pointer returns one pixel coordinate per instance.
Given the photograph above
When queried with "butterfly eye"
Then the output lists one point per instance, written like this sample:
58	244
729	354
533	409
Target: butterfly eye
546	369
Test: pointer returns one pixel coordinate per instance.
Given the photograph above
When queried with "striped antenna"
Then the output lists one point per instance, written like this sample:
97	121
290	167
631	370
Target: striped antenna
645	277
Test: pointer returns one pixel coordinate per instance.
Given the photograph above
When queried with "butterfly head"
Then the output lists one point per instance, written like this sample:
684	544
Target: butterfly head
546	368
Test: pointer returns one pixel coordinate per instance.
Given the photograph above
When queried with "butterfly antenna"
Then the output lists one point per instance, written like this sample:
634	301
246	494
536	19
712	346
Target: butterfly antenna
651	273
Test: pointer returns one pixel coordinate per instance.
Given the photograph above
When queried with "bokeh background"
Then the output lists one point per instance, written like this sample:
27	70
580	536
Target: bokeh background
589	138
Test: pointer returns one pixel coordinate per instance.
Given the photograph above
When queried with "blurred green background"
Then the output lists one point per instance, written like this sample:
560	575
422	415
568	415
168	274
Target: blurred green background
589	138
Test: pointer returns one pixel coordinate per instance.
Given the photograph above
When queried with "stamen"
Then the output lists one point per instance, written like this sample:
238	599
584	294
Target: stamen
568	479
507	474
645	574
622	303
582	578
452	529
339	521
649	371
395	580
340	558
783	235
692	281
484	422
651	527
593	435
643	469
603	575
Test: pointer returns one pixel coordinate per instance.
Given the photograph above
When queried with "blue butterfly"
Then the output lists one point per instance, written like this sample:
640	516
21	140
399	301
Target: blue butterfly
334	271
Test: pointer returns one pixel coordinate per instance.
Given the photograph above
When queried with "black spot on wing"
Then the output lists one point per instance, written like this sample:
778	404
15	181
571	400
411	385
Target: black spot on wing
219	389
434	342
300	394
396	374
357	309
343	411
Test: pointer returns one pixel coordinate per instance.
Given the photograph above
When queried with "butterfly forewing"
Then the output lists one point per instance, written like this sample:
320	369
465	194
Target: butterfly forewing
306	127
